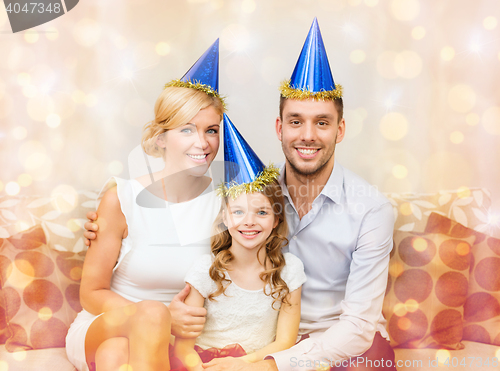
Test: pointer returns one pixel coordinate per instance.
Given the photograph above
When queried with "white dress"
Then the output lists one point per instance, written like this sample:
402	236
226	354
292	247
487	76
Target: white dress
163	241
245	317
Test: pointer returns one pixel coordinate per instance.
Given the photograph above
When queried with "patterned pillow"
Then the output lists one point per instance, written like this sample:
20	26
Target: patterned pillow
467	206
426	290
482	307
41	290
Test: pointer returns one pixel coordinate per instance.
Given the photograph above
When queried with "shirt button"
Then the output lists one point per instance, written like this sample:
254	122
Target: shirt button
294	237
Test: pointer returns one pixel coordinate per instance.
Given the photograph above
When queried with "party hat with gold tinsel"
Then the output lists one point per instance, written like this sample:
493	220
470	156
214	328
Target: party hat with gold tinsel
204	74
244	172
312	77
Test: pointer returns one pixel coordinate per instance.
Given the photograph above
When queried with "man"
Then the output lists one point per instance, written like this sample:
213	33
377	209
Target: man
339	226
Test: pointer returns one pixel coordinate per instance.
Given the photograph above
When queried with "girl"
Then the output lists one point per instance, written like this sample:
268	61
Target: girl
251	290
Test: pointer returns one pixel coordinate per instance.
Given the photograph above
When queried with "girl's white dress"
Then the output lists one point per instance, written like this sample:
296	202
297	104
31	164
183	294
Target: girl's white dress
245	317
163	241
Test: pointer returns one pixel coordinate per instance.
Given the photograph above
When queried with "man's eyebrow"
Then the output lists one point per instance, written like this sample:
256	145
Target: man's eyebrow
293	114
324	116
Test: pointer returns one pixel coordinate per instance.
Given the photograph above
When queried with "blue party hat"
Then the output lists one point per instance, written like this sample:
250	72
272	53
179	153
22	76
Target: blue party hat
204	74
244	172
312	77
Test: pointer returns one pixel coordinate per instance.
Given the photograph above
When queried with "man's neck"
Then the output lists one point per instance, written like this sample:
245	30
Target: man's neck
304	189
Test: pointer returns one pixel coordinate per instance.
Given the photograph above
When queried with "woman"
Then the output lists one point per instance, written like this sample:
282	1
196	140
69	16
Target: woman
130	275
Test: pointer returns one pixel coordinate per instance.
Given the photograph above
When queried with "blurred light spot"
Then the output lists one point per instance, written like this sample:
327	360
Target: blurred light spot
462	249
491	120
76	273
52	33
354	121
405	10
45	314
404	323
192	360
22	225
24	180
235	37
411	305
399	171
371	3
354	2
115	167
406	209
23	79
461	98
475	47
4	366
456	137
125	367
78	96
12	188
385	65
418	32
53	120
419	244
90	100
30	91
40	107
248	6
19	132
443	355
1	186
217	4
64	198
447	53
25	267
19	355
408	64
74	225
357	56
162	48
400	309
463	192
472	119
394	126
490	23
389	103
87	32
396	269
127	73
31	37
39	166
497	353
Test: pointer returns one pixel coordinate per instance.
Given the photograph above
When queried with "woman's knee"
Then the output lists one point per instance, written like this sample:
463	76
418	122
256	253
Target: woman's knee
112	353
153	313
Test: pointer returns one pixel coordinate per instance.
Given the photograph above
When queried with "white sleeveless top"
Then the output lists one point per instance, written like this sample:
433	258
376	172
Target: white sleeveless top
163	241
240	316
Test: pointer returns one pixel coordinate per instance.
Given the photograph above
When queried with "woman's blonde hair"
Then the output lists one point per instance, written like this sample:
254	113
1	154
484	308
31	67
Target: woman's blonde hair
221	242
175	107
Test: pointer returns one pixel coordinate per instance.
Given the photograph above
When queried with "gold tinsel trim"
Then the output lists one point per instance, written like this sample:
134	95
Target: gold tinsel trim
265	177
288	92
198	86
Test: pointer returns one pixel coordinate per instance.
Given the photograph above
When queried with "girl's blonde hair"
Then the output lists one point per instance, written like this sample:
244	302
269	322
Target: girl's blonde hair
175	107
221	242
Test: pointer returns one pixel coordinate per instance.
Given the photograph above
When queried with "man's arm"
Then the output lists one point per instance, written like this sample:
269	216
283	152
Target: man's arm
353	334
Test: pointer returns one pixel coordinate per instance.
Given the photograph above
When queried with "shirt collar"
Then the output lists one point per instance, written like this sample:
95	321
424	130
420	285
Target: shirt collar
334	186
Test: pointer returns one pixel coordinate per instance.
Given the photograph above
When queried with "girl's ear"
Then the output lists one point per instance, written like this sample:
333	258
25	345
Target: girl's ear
276	221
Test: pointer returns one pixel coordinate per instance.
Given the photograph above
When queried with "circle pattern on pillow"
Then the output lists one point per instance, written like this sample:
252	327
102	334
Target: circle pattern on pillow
41	291
424	303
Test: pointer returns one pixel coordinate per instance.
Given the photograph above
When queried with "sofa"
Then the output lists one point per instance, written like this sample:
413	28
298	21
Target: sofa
442	301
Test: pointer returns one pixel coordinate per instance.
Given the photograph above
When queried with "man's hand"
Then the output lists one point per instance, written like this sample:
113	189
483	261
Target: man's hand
187	321
237	364
90	228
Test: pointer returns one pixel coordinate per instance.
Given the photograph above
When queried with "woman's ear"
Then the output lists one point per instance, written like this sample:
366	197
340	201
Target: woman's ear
160	141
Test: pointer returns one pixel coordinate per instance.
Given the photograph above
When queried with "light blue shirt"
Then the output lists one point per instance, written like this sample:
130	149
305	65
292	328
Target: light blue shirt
344	242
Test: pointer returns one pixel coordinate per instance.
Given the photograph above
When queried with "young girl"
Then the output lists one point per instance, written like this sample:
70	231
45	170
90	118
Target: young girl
251	290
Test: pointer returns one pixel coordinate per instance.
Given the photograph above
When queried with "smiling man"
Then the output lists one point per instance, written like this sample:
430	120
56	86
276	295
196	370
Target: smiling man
339	226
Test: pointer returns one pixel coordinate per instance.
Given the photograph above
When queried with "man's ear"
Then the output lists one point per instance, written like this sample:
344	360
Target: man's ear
279	127
341	131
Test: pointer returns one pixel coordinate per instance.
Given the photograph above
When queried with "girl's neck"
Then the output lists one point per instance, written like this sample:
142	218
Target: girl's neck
245	259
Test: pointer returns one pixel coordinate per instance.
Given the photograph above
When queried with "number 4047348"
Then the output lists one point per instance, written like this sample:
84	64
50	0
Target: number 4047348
33	8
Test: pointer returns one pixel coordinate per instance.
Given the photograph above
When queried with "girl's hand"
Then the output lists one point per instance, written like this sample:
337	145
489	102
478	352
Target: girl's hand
90	228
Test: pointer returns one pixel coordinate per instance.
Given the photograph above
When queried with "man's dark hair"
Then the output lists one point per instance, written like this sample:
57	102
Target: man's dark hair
338	103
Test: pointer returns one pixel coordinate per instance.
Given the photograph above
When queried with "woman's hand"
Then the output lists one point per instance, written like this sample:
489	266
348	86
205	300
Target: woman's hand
187	321
90	228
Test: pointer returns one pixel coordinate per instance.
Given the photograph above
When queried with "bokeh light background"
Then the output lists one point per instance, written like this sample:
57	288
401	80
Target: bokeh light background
421	79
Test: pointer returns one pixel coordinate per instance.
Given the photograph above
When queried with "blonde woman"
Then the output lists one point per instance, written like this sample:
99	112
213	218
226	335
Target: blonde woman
136	265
